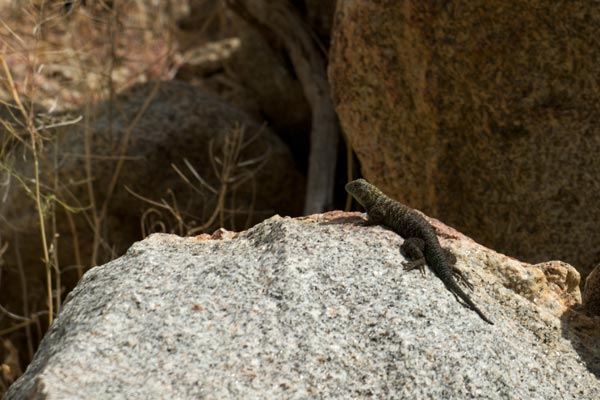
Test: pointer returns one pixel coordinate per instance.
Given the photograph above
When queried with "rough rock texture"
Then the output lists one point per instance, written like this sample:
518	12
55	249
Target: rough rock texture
482	114
181	123
591	294
305	308
581	325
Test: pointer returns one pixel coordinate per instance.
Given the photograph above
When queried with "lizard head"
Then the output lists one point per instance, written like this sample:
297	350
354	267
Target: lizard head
365	193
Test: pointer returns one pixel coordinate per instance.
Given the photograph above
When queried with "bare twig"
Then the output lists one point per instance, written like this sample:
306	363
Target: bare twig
230	169
34	136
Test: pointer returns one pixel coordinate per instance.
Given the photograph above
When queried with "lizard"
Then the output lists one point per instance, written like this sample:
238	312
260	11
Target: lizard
421	243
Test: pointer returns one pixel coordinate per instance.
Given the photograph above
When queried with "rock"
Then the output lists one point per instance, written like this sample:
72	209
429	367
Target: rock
264	70
581	324
480	114
313	307
591	293
552	285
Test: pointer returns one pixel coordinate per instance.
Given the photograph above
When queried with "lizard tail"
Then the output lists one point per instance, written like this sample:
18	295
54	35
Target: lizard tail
454	288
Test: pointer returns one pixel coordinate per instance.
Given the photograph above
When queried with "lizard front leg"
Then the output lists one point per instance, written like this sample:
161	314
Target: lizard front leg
375	214
412	249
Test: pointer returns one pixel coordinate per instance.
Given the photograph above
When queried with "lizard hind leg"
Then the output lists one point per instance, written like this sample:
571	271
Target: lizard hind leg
449	255
412	249
458	275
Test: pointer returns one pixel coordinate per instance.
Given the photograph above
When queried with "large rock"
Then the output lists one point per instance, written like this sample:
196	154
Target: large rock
303	308
481	114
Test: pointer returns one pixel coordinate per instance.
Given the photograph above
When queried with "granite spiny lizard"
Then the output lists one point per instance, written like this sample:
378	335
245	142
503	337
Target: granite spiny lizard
421	243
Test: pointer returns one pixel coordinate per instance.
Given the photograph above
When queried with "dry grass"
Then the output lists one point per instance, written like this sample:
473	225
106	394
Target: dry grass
55	64
231	169
64	61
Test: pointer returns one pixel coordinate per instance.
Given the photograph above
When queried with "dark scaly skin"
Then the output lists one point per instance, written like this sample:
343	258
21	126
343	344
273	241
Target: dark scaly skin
410	224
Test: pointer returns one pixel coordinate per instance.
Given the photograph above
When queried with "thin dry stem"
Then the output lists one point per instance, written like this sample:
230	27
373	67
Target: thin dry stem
34	135
75	235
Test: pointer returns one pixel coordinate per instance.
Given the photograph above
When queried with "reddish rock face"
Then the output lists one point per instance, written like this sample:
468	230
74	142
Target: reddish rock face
480	114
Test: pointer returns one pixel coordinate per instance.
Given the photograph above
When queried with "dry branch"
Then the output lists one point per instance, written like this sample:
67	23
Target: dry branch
278	18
